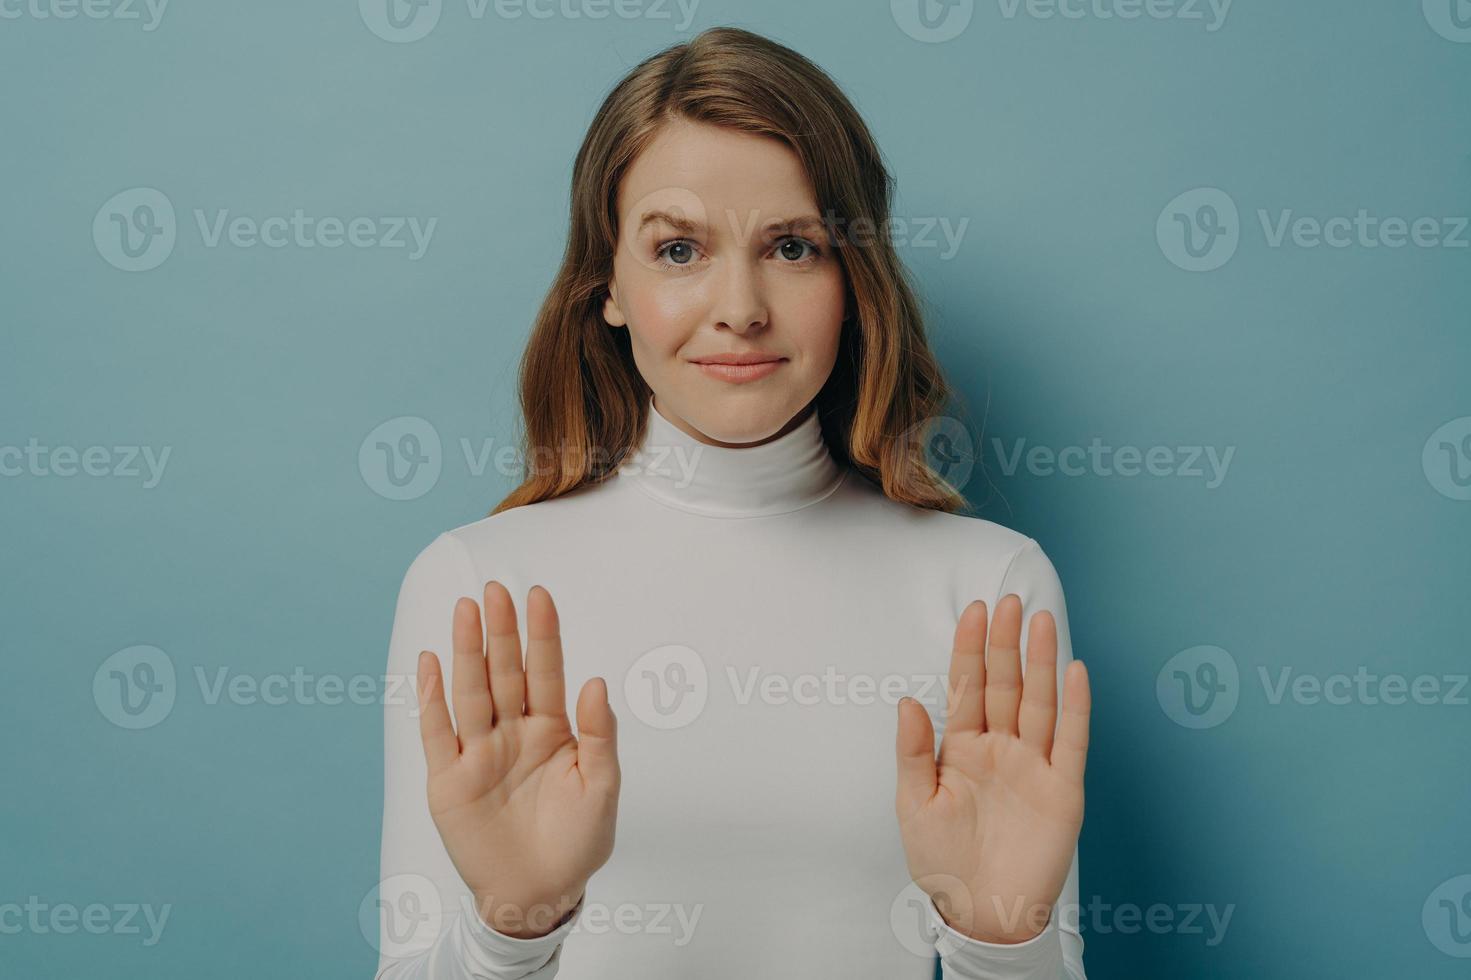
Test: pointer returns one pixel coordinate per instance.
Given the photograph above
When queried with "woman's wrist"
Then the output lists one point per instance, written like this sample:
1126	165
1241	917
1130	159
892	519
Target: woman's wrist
522	919
1012	927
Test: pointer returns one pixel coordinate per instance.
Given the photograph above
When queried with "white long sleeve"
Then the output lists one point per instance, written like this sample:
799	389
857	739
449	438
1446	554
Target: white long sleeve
1056	953
757	614
428	929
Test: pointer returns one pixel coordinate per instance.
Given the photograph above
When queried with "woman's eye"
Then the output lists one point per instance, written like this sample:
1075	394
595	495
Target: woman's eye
679	252
799	244
666	252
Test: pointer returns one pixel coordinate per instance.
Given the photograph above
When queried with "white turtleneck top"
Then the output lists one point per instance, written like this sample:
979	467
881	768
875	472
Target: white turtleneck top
757	613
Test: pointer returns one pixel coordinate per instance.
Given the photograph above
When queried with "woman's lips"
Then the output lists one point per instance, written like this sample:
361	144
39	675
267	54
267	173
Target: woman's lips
739	373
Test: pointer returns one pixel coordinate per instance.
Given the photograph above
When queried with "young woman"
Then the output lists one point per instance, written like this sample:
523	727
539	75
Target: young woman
750	558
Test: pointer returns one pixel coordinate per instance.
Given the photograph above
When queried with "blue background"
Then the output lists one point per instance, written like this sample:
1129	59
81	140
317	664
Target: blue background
265	549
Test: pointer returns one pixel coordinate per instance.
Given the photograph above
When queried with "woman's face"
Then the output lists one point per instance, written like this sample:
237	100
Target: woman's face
721	252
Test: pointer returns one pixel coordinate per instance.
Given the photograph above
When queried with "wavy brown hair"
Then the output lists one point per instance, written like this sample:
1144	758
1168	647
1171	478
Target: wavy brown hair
579	388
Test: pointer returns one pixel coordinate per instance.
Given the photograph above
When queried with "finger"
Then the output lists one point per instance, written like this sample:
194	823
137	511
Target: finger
469	687
1039	684
1070	754
964	705
546	685
915	747
597	735
436	731
1004	666
503	646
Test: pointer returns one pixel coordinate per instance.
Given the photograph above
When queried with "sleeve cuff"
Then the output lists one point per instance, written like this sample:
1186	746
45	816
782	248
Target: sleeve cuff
509	955
964	958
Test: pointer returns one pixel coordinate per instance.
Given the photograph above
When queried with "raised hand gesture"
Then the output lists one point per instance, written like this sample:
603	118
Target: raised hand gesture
989	828
526	811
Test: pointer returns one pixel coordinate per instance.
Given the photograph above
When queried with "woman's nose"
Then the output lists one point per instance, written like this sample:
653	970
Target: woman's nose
739	301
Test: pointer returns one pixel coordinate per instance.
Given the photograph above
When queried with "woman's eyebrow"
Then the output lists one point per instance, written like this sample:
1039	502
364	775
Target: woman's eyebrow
808	222
678	222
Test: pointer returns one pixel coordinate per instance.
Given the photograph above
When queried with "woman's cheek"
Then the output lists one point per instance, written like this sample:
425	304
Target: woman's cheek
817	315
668	318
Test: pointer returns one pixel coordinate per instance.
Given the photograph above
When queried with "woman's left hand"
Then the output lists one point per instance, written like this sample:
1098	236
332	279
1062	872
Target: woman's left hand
990	828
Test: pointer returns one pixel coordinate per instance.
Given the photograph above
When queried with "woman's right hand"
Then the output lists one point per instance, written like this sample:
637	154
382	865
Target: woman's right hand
525	809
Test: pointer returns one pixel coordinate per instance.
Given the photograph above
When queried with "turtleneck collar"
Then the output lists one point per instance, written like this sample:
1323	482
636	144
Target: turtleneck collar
776	477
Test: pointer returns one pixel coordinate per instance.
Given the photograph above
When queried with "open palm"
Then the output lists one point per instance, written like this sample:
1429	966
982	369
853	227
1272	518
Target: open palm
525	809
989	828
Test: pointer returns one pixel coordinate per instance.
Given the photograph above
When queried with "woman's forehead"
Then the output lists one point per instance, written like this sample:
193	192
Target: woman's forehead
696	177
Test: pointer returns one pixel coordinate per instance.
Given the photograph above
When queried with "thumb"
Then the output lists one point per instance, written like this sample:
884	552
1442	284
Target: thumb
915	745
597	734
